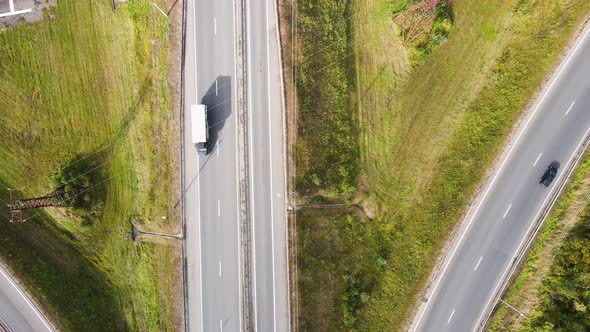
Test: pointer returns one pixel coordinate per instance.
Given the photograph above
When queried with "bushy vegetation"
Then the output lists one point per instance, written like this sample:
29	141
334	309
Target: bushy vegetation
327	148
427	134
564	295
441	26
91	84
340	261
77	179
424	29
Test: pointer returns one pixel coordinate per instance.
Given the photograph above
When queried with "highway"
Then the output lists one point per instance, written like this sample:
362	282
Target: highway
267	180
17	312
463	292
214	265
211	183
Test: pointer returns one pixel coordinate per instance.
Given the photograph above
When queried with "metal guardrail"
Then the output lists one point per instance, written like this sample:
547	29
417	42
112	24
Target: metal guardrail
243	152
4	326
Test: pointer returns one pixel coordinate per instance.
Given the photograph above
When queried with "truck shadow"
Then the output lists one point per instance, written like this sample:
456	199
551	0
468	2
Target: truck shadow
218	101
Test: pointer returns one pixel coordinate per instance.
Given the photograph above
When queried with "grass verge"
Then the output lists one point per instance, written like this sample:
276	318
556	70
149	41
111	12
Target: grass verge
326	146
426	133
90	87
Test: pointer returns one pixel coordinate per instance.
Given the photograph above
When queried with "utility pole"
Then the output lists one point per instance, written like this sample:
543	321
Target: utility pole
513	308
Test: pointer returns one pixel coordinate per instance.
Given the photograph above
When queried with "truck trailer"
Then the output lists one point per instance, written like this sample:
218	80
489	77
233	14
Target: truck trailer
200	128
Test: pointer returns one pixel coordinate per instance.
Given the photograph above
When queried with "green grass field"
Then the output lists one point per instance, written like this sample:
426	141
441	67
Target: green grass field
426	133
90	87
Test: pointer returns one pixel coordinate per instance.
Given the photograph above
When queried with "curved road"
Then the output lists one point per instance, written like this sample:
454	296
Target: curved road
487	244
17	312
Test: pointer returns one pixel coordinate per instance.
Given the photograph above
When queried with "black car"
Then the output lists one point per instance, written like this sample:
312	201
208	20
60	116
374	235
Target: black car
550	174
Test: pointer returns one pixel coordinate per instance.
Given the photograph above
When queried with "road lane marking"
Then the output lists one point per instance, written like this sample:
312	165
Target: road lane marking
272	218
216	88
220	325
570	108
217	150
537	160
26	298
218	208
215	26
220	268
477	265
506	213
198	180
565	64
451	316
532	224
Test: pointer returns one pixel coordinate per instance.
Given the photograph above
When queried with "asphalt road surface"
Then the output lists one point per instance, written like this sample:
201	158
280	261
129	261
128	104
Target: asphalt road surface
267	181
211	183
17	312
488	242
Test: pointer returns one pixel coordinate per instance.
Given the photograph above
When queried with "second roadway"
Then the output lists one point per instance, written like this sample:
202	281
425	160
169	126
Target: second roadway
487	245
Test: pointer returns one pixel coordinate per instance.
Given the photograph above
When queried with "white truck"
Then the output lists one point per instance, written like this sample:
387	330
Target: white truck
200	128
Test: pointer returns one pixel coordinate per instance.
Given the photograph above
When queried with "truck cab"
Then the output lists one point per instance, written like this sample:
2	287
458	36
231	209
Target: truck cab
200	128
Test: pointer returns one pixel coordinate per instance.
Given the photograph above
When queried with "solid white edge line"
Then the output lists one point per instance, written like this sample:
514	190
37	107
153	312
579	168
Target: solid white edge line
537	160
284	157
530	227
570	108
198	177
272	220
478	262
251	167
26	298
236	124
498	172
451	316
506	213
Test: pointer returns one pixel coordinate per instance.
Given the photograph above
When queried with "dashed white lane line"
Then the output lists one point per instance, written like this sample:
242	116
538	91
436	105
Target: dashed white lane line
218	208
451	316
220	325
506	213
478	262
537	160
220	268
216	89
214	25
570	108
493	181
217	150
